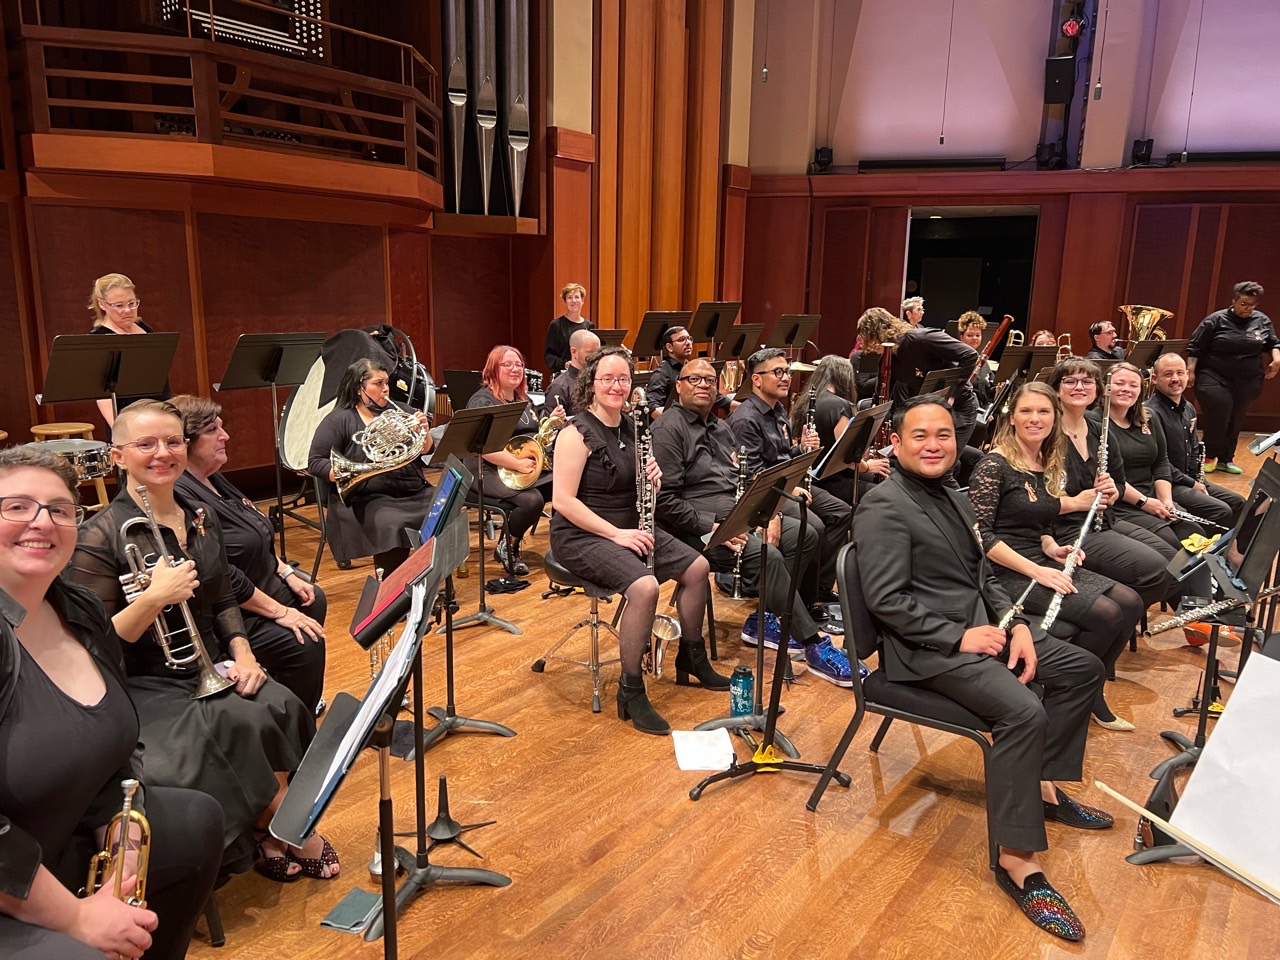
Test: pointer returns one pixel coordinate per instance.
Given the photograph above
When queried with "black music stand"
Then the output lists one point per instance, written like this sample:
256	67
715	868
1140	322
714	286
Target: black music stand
655	323
945	382
611	337
742	340
713	320
794	331
461	385
475	431
272	360
1017	362
93	367
1144	353
757	505
852	445
953	330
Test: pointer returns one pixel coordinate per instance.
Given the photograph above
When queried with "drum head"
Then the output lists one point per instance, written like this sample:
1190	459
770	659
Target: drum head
300	419
91	459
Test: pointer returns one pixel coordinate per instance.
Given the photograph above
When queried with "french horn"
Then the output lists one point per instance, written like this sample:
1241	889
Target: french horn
393	439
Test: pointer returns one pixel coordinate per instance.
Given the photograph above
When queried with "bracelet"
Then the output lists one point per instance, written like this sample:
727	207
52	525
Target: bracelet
287	574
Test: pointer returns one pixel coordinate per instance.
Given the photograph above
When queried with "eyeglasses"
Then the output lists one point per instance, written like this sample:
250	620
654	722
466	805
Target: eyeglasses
125	305
1078	382
614	381
512	365
25	510
685	339
782	373
698	381
149	445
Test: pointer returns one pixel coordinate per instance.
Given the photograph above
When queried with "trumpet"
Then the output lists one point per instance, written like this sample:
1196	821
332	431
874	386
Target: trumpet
1017	338
665	628
135	583
393	439
108	863
537	446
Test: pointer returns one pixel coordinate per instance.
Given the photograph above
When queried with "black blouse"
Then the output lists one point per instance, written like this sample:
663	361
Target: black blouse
1013	507
335	433
1081	474
1229	346
1146	459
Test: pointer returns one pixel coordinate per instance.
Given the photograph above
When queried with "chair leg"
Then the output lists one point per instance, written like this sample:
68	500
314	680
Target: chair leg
217	936
594	666
884	728
324	533
593	663
837	755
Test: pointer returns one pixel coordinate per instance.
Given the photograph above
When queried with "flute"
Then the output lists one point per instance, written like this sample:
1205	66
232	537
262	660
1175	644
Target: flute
1069	565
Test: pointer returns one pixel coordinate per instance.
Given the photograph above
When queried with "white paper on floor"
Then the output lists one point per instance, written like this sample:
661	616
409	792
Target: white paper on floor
703	749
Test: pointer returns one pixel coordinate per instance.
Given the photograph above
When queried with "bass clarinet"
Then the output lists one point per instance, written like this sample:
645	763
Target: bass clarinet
665	629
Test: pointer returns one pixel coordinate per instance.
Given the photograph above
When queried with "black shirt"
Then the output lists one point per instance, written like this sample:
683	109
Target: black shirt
1143	450
866	373
764	431
556	350
699	478
1229	347
1097	353
662	384
922	350
561	390
1181	443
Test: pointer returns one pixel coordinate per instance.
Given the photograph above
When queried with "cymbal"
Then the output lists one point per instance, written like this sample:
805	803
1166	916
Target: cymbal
800	367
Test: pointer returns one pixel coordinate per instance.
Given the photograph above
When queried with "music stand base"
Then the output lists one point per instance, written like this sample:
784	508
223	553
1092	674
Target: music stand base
1161	854
1187	758
745	723
752	767
482	616
449	721
419	878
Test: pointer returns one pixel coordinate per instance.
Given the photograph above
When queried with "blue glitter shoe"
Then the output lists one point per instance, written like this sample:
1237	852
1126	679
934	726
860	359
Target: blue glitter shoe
828	662
1043	905
1072	813
772	632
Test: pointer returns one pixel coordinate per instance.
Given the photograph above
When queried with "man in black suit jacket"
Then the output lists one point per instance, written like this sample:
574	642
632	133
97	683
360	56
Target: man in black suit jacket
935	603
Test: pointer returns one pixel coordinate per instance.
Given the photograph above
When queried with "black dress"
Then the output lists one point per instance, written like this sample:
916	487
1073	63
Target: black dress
828	411
1016	509
252	564
123	401
608	487
378	509
556	349
228	746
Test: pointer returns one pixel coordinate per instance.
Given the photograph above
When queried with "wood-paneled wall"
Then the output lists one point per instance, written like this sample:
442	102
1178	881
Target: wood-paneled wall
1176	238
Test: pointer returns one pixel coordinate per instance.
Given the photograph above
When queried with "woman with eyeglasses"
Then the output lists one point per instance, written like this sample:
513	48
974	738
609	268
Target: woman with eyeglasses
69	735
283	613
239	745
595	534
371	519
835	390
1018	492
114	304
503	381
1121	550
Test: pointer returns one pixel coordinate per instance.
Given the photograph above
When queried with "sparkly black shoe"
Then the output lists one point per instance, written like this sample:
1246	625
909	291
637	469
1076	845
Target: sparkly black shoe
1072	813
1043	905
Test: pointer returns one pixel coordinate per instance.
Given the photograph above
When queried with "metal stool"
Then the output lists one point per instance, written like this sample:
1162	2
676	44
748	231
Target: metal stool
65	431
558	575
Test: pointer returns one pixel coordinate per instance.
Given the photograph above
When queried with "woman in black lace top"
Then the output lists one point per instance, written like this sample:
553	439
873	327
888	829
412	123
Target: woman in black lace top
595	535
1017	495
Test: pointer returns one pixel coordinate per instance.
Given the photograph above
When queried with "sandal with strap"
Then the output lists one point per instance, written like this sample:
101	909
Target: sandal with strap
314	867
274	868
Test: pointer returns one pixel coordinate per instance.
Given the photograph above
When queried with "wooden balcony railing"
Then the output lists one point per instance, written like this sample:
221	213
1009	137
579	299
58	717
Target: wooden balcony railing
144	85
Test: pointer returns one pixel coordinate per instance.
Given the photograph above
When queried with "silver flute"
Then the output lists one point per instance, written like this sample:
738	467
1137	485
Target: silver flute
1073	560
1103	457
1207	611
1177	513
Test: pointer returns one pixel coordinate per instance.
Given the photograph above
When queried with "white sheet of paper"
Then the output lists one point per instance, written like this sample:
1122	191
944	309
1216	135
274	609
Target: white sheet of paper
703	749
1229	802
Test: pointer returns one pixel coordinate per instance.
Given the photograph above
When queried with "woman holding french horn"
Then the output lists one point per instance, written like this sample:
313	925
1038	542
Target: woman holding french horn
598	534
69	736
368	446
517	471
211	718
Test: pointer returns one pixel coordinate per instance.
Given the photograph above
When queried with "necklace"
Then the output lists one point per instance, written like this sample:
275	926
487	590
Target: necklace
617	432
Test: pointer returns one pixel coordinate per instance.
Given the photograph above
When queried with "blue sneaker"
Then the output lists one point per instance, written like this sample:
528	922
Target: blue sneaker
772	632
829	663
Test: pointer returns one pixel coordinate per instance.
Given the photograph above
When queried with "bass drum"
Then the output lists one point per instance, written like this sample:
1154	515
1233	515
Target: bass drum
301	418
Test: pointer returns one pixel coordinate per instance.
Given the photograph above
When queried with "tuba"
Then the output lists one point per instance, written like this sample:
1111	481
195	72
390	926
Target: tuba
108	863
665	628
393	439
537	446
138	579
1142	323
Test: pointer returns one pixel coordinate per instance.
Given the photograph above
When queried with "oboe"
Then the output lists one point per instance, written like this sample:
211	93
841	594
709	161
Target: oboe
1069	565
739	490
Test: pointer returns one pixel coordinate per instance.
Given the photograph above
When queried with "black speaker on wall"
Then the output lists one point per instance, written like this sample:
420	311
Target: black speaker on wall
1059	79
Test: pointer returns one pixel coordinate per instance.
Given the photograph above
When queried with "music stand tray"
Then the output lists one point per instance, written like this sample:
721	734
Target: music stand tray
713	320
946	381
853	444
655	323
742	340
1144	353
611	337
1018	361
793	330
92	367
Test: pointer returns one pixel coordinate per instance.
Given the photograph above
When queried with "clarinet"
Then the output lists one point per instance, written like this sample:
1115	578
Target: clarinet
1102	443
1072	561
1197	450
810	426
740	489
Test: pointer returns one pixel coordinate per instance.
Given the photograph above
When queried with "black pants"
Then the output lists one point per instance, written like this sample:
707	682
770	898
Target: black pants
525	506
829	519
1134	556
186	829
1199	584
1220	505
1223	404
299	666
1033	740
777	588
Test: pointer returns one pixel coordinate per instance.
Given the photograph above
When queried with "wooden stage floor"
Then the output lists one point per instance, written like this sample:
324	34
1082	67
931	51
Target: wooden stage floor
611	859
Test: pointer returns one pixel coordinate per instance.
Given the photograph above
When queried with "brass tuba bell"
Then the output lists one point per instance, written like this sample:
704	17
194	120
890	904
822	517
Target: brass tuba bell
1142	322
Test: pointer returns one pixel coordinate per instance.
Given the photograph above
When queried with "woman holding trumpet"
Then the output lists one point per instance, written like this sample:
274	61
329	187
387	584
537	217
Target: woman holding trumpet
503	381
216	722
369	517
69	736
597	534
1018	493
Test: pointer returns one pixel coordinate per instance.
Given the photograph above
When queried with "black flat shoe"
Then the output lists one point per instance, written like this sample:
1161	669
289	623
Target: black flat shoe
1042	905
1072	813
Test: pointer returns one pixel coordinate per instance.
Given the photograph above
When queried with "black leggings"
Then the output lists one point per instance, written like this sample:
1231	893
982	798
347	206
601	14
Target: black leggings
1105	628
524	506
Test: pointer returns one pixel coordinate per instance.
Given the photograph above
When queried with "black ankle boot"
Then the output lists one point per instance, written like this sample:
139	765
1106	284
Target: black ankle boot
691	658
634	705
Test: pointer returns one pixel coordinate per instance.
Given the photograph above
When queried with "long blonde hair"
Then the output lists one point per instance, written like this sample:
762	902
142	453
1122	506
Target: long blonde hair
1053	451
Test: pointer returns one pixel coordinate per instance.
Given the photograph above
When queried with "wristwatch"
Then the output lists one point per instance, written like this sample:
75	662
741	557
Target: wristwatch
1142	502
290	572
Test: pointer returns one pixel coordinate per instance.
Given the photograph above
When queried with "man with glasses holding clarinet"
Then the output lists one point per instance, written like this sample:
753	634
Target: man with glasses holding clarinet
761	426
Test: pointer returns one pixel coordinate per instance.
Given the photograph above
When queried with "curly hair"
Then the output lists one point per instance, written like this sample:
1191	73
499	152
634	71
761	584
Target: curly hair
878	326
970	318
1053	451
